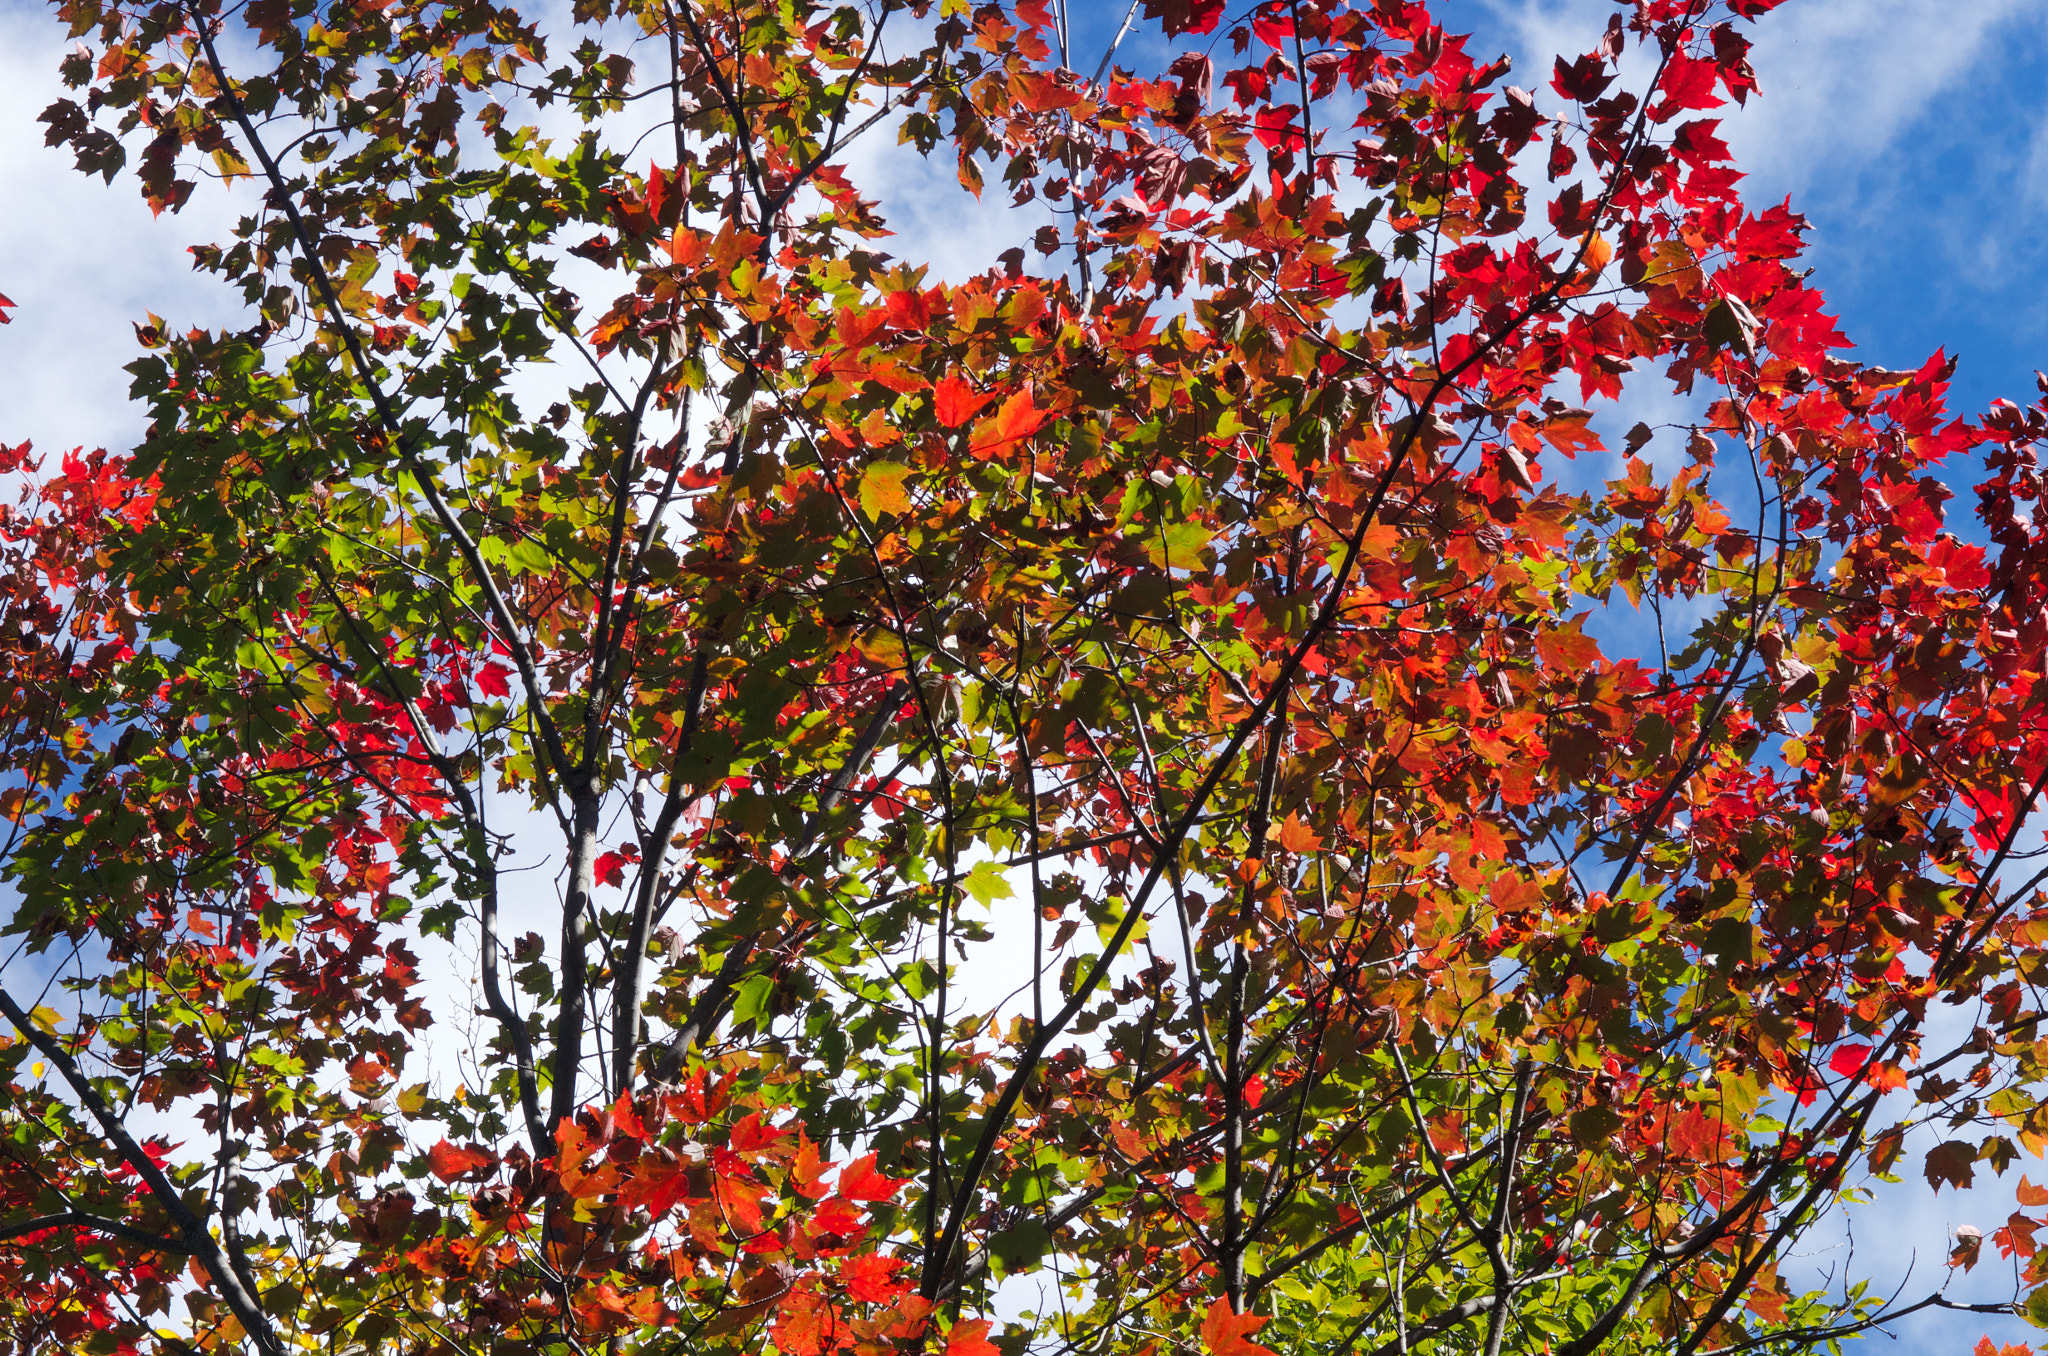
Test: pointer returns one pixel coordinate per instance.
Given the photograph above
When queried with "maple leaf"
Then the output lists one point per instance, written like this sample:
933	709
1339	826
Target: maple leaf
805	1324
1516	121
836	1216
1573	213
1015	421
1296	836
1568	648
970	1338
1849	1060
664	200
1043	94
2015	1238
1569	433
1766	1298
450	1162
808	1168
1731	324
1951	1161
1969	1244
1279	127
881	489
492	679
858	1181
871	1278
1688	82
955	402
909	309
1178	17
753	1135
1228	1333
1581	80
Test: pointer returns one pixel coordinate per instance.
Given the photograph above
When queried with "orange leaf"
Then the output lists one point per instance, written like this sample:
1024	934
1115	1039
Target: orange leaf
836	1217
1598	253
449	1162
955	402
1014	422
857	329
805	1324
1568	434
1969	1245
970	1338
871	1279
1767	1300
881	489
1042	94
752	1135
626	1119
909	309
858	1181
1568	648
1227	1334
1295	836
808	1168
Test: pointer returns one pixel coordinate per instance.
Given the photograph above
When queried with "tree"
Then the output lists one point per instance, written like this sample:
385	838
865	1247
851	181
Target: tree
1207	613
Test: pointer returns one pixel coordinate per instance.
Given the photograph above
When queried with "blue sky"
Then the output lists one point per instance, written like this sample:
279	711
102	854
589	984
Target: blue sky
1914	134
1928	225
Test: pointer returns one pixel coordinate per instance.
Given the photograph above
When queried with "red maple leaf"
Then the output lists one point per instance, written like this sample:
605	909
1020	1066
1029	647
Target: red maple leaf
871	1279
1013	423
955	402
970	1338
858	1181
1185	16
1226	1333
1849	1060
449	1161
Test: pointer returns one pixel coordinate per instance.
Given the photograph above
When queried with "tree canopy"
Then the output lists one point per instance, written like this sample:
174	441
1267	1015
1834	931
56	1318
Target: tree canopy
1172	794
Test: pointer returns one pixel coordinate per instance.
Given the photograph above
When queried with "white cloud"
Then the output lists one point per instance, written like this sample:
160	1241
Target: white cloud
1843	85
83	260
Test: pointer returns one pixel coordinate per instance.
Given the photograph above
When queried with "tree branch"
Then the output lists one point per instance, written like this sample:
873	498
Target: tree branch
194	1239
80	1219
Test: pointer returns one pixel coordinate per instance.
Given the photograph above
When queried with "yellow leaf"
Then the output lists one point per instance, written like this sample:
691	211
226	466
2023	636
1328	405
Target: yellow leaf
881	489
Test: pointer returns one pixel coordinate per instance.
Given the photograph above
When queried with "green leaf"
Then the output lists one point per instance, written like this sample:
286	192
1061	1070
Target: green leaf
987	883
755	999
1592	1125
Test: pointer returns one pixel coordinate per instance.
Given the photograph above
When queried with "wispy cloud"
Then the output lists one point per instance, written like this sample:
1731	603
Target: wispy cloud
83	260
1845	85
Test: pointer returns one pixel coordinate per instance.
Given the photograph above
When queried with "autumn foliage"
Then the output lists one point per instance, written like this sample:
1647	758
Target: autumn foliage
1189	790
